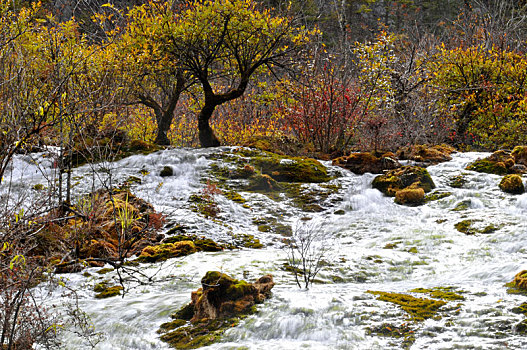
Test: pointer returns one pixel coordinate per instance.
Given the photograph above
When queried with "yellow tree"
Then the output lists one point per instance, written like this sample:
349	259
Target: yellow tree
222	44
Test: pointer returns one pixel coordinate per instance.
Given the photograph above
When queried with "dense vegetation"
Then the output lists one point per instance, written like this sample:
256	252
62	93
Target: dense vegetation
101	81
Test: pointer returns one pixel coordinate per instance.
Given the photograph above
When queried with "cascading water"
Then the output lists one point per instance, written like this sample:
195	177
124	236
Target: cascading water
376	245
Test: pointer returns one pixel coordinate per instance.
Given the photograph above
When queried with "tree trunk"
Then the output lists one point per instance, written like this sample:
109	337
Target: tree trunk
206	134
163	125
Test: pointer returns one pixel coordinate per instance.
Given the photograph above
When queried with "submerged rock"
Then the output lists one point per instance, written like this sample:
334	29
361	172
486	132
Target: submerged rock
360	163
512	184
216	306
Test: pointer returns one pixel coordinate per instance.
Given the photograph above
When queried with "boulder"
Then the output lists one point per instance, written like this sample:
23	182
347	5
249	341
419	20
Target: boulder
166	251
360	163
512	184
218	305
426	153
410	196
519	153
413	177
501	162
221	296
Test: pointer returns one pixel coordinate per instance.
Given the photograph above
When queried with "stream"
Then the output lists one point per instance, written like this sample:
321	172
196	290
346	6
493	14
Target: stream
373	244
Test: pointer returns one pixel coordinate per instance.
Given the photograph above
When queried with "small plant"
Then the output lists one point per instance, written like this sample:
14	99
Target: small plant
307	250
205	202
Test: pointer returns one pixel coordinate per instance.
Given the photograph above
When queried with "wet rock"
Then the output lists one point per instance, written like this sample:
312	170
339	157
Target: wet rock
512	184
201	243
519	153
426	154
410	196
501	162
166	171
103	291
415	180
216	306
360	163
263	182
166	251
287	169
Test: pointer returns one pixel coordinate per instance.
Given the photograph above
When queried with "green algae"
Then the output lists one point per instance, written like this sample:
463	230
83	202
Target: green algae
457	181
443	293
418	309
104	291
487	166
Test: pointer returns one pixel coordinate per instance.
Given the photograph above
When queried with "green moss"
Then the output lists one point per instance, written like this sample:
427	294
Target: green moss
463	205
457	181
185	313
165	251
404	331
413	250
199	334
404	177
419	309
234	196
168	326
522	309
109	292
264	228
105	270
247	241
238	290
519	284
201	243
487	166
512	184
465	226
290	169
489	229
443	293
437	196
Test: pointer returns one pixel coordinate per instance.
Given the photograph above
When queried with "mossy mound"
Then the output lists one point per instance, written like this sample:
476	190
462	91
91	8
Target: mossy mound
500	163
410	196
512	184
263	182
419	309
360	163
519	153
466	227
426	154
103	291
437	196
519	284
215	307
166	251
288	169
201	243
407	177
457	181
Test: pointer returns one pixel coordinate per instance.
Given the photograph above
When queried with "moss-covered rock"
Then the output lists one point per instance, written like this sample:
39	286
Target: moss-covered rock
201	243
360	163
107	292
457	181
216	306
410	196
437	196
426	154
519	153
499	163
263	182
290	169
512	184
419	309
407	177
520	280
166	251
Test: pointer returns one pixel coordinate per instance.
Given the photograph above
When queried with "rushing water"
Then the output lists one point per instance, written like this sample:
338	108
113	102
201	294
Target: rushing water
335	312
